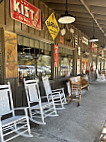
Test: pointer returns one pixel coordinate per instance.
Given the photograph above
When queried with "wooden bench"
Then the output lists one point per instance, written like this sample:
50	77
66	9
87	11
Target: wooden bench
76	85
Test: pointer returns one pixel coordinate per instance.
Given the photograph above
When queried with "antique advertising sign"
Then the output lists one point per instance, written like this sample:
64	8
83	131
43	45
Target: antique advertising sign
52	26
56	56
10	54
76	40
61	39
84	40
26	13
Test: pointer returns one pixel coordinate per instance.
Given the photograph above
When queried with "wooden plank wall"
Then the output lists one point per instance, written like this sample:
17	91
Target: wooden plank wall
14	26
28	36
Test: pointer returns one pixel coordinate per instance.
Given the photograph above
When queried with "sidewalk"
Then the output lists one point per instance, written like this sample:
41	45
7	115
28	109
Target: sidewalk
75	124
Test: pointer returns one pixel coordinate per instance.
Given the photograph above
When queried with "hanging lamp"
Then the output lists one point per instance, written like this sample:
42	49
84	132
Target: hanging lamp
66	18
93	39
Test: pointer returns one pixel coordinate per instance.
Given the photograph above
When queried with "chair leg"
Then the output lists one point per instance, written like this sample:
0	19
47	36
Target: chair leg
61	102
65	102
71	96
68	98
79	103
54	108
27	119
1	132
42	114
30	113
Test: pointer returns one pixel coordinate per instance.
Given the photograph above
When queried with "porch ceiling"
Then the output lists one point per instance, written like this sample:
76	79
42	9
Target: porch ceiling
85	11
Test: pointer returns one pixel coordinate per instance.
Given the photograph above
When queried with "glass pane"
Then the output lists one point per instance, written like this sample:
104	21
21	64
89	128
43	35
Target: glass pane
44	65
26	64
66	67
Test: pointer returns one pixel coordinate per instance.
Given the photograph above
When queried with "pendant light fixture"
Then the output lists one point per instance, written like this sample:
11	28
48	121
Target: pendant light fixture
66	18
93	39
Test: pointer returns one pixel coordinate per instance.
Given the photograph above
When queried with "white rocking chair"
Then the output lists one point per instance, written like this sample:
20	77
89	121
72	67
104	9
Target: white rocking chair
58	94
11	124
38	110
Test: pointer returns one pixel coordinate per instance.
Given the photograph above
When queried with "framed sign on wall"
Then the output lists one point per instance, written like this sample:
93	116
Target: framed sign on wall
26	13
11	55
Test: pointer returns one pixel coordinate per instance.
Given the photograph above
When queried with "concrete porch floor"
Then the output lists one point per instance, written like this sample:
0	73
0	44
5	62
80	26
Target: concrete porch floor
75	124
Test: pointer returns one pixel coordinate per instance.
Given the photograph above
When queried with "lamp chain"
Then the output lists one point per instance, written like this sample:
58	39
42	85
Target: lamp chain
93	28
66	5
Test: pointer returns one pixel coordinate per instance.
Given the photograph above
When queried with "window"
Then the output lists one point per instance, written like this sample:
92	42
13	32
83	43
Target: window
66	66
32	63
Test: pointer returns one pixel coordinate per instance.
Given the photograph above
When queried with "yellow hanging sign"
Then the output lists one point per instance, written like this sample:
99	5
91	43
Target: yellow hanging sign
52	26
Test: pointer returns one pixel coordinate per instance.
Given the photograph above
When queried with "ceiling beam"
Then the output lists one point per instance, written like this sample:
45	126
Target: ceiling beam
103	26
85	24
87	8
62	1
101	3
88	29
84	20
85	27
102	22
98	10
74	13
78	8
99	16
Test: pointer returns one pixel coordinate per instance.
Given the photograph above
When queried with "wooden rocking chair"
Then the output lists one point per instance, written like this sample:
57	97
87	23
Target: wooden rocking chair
58	94
38	110
74	93
12	124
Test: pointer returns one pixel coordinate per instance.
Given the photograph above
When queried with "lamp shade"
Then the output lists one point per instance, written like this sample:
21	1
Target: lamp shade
66	18
93	39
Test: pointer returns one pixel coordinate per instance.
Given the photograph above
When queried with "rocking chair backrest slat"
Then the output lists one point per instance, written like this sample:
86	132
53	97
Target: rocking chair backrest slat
32	90
47	85
6	102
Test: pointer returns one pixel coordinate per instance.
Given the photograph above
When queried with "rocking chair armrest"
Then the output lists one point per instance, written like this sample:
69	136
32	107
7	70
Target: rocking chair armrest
60	89
43	97
24	109
21	108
